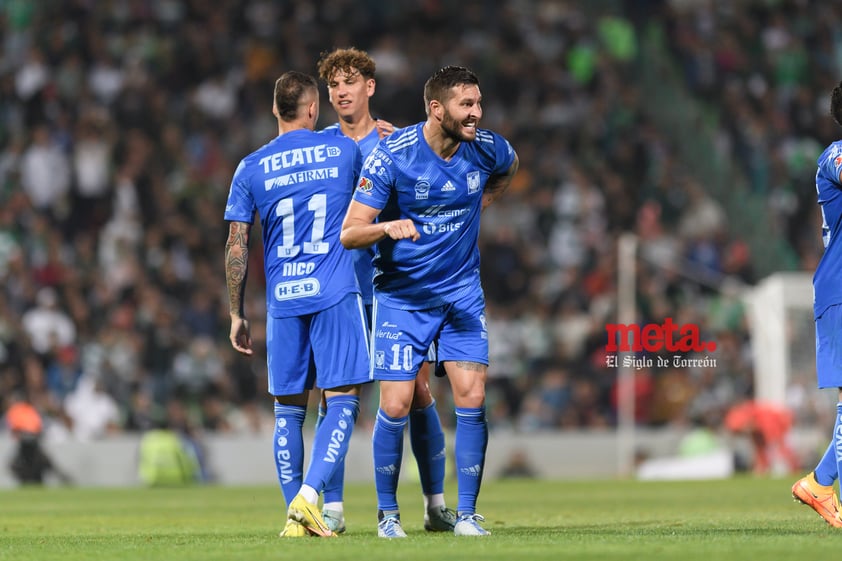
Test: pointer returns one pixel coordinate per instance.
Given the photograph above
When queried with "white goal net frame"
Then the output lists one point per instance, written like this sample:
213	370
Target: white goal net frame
780	314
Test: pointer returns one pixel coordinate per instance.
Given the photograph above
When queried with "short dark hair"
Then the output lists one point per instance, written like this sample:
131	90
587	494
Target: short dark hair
438	86
836	104
346	60
289	89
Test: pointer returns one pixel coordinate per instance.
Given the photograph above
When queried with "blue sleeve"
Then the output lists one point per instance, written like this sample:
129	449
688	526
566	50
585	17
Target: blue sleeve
830	165
504	155
375	184
240	206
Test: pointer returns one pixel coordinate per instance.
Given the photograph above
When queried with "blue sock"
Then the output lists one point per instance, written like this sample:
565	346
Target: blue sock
335	486
826	470
387	443
832	474
289	448
321	417
470	444
427	439
332	439
837	440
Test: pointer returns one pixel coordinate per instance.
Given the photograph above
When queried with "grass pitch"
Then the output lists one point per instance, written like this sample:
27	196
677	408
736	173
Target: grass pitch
738	519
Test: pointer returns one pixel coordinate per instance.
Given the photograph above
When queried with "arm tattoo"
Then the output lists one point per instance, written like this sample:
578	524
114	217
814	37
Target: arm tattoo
236	264
475	366
497	184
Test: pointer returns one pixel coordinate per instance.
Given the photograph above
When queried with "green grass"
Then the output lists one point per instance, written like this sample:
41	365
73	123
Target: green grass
739	519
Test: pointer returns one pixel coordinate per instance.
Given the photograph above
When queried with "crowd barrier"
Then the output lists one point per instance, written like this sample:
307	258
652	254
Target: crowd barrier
247	459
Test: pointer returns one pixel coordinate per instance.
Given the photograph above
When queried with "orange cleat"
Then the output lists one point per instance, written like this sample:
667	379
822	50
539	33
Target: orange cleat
820	498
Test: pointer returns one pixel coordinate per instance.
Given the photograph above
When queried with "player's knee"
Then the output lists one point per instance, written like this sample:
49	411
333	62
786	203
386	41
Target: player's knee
472	397
395	407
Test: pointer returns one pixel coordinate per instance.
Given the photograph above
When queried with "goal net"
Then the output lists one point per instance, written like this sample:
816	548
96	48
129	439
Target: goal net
780	313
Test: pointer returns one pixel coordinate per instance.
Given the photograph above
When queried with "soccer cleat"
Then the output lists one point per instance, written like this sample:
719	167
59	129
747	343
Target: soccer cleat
820	498
335	520
294	529
390	527
439	519
468	525
307	514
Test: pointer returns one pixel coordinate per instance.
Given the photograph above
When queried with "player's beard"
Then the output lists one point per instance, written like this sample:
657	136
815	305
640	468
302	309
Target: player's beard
455	129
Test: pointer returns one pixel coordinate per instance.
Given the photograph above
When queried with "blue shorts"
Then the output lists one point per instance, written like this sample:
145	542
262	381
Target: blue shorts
431	352
829	348
402	339
335	338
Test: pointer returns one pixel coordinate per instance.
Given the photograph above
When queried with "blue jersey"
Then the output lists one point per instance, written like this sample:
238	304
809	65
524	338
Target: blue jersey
366	144
300	184
362	257
404	178
827	281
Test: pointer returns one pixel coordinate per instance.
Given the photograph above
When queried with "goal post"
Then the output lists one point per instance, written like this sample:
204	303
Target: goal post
626	313
780	314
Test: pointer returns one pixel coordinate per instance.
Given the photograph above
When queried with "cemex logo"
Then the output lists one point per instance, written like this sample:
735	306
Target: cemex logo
655	338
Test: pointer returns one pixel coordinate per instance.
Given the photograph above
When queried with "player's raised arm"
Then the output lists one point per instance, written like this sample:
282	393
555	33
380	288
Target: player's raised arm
497	184
359	229
236	272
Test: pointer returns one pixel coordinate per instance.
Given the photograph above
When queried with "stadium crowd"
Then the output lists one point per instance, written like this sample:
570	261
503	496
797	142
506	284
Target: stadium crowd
121	123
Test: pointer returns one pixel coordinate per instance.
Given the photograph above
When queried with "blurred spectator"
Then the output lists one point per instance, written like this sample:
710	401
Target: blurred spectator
164	460
142	412
92	151
198	369
30	463
181	422
93	413
45	174
63	372
47	326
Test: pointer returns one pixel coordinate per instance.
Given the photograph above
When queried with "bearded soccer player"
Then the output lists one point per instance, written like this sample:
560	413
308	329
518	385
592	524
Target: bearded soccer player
300	184
420	199
349	75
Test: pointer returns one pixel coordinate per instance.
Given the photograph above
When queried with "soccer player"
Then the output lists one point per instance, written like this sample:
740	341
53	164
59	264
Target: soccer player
427	185
349	75
816	488
300	184
767	426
